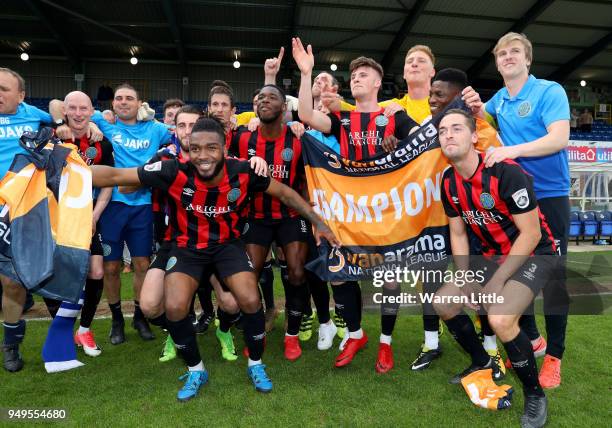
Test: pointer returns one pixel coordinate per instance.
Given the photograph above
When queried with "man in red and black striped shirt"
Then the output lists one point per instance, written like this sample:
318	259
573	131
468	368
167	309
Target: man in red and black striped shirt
211	195
499	205
271	220
361	134
78	111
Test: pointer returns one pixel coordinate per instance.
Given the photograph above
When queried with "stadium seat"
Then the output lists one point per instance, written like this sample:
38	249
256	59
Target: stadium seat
590	225
605	224
575	226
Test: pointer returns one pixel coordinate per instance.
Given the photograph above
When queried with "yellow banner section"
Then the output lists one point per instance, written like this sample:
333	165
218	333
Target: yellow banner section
71	216
381	209
74	225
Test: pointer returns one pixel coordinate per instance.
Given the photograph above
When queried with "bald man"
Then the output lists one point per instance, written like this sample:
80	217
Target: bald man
77	111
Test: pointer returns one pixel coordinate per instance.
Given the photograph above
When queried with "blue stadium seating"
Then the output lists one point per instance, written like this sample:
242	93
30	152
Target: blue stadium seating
605	224
590	225
575	230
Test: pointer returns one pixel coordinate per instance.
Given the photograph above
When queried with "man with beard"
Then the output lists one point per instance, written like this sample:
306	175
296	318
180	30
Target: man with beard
152	294
271	220
211	195
518	255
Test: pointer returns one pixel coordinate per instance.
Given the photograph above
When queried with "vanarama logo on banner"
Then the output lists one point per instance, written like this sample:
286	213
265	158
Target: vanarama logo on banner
387	210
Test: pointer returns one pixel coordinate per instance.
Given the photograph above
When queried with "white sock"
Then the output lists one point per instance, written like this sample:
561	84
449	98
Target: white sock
490	343
356	334
253	363
385	339
290	335
535	342
198	367
83	329
431	339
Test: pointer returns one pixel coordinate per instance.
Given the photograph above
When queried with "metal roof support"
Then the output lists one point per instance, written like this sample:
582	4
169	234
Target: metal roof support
519	26
67	47
105	27
569	67
176	34
403	32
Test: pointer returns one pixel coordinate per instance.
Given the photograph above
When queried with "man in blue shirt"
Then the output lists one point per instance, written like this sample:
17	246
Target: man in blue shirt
16	117
533	117
128	218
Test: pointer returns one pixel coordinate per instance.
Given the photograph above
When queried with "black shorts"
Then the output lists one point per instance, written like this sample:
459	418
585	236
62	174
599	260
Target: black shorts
264	232
534	273
95	249
160	258
225	259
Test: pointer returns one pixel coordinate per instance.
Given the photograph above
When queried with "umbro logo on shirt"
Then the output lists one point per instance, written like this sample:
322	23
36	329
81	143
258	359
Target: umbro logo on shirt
188	192
251	152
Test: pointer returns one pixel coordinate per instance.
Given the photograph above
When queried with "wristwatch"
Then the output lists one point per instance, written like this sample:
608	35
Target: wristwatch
58	122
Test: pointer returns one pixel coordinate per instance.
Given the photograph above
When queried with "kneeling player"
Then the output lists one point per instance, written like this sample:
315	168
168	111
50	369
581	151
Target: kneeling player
211	195
499	205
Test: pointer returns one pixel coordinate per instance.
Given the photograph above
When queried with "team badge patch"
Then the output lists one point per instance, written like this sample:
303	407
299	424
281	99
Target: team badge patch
91	153
171	263
106	250
152	167
381	120
234	194
287	154
521	198
487	201
524	108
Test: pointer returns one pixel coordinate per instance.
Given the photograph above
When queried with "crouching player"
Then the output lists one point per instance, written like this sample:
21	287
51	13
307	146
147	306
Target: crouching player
499	205
211	195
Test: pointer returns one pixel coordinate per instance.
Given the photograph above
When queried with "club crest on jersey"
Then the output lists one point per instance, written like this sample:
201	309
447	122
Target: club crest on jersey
521	198
524	108
381	120
106	250
487	201
171	262
234	194
287	154
117	138
91	153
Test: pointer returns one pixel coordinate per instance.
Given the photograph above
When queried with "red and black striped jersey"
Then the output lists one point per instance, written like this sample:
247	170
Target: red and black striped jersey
229	135
487	202
160	204
204	215
361	135
284	158
94	153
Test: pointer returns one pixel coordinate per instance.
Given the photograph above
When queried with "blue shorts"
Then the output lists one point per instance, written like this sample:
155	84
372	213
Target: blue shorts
132	224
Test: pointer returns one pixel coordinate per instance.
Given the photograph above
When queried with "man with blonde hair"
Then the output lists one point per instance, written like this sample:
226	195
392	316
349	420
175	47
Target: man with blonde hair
533	117
419	69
